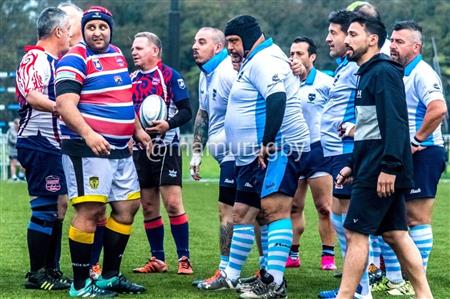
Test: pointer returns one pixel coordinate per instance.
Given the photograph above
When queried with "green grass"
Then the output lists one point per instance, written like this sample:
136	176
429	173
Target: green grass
201	205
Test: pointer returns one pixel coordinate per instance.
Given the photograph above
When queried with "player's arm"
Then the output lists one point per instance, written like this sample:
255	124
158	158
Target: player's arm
68	95
435	114
200	138
275	107
40	101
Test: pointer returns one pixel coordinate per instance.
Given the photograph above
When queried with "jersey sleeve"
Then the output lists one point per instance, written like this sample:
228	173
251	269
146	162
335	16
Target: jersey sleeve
202	95
33	73
268	75
429	88
71	67
179	87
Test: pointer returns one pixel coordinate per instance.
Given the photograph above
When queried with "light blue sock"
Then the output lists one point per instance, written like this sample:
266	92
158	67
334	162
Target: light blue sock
280	241
264	245
422	236
223	262
336	220
391	263
374	250
241	244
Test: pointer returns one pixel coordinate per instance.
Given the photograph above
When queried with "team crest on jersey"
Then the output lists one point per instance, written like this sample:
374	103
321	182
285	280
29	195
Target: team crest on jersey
214	94
118	80
275	78
52	183
97	64
155	81
359	94
181	83
120	61
93	182
311	97
436	87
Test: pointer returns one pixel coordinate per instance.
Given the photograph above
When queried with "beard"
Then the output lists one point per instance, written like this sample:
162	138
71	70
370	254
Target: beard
355	55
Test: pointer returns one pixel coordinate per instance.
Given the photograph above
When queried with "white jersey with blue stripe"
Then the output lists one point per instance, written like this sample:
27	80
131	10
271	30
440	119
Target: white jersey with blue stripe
314	93
264	72
422	86
215	83
340	108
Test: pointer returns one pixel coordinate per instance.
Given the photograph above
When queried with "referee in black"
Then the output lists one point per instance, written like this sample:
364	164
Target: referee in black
382	161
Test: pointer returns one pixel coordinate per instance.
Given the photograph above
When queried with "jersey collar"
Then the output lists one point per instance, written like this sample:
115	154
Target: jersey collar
409	68
265	44
212	64
311	76
341	62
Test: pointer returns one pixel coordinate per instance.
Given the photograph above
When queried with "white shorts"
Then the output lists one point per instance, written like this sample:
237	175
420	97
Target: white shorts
91	179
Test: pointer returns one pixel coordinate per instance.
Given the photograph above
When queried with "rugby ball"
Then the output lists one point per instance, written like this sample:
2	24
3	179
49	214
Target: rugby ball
152	108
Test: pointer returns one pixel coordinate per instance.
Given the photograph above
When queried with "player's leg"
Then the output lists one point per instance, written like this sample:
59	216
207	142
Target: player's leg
124	195
45	183
298	223
149	178
321	185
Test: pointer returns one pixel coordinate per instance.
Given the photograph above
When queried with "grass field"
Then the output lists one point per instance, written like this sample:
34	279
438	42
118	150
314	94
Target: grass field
200	202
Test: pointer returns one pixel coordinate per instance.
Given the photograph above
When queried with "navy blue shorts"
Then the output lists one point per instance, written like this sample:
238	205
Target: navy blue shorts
247	184
282	173
369	214
334	164
227	183
428	167
316	165
44	172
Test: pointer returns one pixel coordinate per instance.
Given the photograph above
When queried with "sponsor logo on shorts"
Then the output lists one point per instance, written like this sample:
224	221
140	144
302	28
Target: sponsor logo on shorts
52	183
355	220
271	185
248	185
173	173
415	191
94	182
229	181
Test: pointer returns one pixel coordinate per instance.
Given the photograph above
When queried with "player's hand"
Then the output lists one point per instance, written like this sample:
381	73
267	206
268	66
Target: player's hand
130	145
97	143
415	149
159	127
297	68
346	129
344	177
385	184
142	137
265	151
195	166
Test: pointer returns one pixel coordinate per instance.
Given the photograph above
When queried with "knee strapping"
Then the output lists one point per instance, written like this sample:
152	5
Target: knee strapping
44	214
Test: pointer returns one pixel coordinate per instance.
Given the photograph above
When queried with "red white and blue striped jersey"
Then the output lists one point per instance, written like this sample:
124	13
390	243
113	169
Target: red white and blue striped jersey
105	99
38	129
166	82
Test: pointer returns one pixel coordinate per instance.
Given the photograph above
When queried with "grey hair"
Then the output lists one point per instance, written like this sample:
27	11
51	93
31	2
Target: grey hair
217	35
49	19
69	4
151	38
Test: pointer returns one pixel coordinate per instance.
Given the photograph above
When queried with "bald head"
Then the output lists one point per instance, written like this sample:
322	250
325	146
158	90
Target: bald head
75	14
207	42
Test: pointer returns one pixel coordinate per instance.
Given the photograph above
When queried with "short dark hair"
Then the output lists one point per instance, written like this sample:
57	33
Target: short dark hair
373	26
312	48
408	24
341	17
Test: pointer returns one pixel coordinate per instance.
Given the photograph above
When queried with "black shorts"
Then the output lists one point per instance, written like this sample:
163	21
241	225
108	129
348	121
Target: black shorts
333	165
163	168
369	214
227	183
246	184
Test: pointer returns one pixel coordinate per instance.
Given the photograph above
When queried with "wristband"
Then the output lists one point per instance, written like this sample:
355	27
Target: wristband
415	142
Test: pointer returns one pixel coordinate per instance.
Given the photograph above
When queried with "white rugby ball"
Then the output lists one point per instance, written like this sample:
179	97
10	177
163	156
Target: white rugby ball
152	108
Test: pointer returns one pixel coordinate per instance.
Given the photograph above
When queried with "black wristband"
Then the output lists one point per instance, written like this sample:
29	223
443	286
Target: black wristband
415	142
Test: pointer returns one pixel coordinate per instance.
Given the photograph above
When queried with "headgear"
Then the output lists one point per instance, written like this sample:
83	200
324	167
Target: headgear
246	28
97	13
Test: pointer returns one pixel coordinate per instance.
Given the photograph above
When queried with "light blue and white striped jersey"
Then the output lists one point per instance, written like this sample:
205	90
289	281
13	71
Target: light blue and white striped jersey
340	108
314	93
264	72
215	83
422	86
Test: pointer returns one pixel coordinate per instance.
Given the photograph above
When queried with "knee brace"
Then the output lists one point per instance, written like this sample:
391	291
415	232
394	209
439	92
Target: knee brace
44	214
